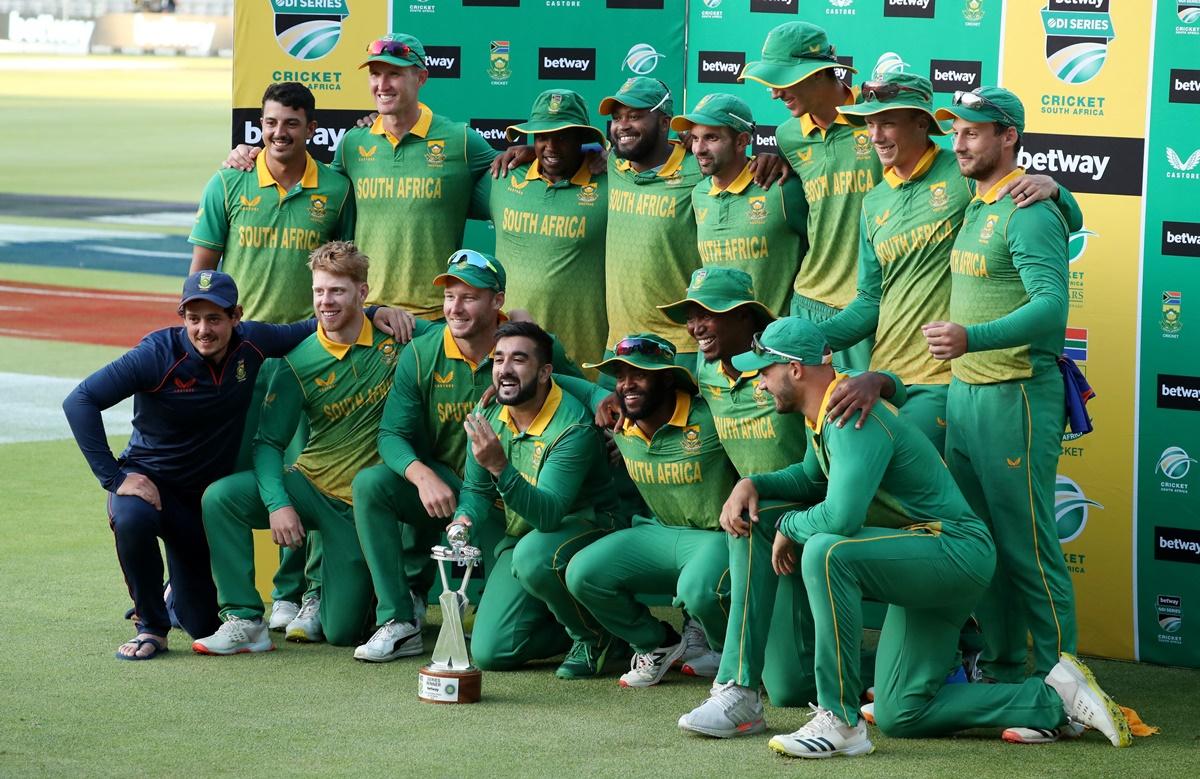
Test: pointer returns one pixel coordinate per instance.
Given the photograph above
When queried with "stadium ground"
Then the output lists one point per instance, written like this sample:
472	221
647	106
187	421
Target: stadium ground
69	708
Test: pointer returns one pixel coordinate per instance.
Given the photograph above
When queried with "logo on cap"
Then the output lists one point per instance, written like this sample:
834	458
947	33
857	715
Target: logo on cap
698	278
205	281
555	103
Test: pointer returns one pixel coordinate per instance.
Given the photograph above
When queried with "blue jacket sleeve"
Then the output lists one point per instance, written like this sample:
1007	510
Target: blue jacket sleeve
277	340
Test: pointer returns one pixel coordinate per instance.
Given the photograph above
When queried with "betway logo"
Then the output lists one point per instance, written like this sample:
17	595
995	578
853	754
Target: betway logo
1179	392
1185	86
1066	5
764	140
718	67
1057	160
953	75
1181	239
922	9
563	62
492	131
1177	544
567	64
443	61
1102	166
721	67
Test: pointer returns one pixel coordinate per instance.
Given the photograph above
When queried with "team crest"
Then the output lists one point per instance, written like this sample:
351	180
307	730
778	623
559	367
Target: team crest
691	439
539	448
367	154
675	180
973	12
205	281
1076	39
698	278
388	352
587	194
555	103
758	209
500	70
251	204
327	382
938	199
435	153
1172	306
989	227
862	145
316	208
760	395
306	34
241	370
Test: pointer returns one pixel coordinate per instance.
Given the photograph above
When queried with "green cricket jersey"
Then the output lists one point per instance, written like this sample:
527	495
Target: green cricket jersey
436	387
754	436
557	471
1009	287
265	233
837	166
887	474
341	389
412	196
551	239
682	472
650	247
760	231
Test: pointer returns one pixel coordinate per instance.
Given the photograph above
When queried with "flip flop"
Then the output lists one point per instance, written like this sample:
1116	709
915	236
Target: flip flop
159	649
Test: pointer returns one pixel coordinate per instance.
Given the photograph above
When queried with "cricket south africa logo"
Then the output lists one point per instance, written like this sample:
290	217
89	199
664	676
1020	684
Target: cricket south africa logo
642	59
1077	36
1174	464
1077	244
889	62
309	29
1071	508
500	70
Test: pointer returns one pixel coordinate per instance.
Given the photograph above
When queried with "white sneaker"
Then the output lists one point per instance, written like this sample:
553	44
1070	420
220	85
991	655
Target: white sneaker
1042	735
419	609
394	639
236	636
649	669
1085	702
731	710
695	641
867	710
282	612
706	664
825	736
306	627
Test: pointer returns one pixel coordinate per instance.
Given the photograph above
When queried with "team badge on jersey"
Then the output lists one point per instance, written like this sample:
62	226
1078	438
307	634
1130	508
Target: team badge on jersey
539	448
804	155
587	194
250	204
938	199
675	180
388	351
862	145
327	382
316	207
758	209
691	439
989	227
760	395
367	154
443	381
241	370
435	153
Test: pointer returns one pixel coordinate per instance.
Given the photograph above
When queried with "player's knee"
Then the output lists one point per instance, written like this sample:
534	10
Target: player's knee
532	565
489	655
700	598
819	552
134	519
368	483
898	721
585	575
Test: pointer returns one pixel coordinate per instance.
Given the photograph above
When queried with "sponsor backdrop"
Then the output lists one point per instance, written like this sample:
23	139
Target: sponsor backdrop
1089	71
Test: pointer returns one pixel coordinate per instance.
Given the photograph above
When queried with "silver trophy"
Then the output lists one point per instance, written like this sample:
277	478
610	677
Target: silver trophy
450	677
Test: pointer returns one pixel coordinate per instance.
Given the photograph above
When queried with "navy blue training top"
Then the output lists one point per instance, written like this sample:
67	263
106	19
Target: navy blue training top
188	412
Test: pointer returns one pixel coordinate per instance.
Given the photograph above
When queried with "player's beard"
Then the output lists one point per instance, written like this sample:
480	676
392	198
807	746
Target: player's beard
522	393
641	149
654	396
979	167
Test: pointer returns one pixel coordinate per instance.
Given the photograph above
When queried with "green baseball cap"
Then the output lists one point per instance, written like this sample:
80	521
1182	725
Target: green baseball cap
987	104
790	339
640	92
717	109
792	52
889	91
647	352
718	289
481	271
553	110
399	49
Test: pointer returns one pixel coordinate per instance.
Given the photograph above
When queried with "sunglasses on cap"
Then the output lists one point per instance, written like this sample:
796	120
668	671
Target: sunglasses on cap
644	346
473	258
390	48
761	350
885	90
975	100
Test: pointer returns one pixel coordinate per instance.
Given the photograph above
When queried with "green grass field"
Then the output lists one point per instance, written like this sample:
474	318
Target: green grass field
68	708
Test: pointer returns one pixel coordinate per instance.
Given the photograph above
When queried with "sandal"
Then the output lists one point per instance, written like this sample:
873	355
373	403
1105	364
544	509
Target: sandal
160	648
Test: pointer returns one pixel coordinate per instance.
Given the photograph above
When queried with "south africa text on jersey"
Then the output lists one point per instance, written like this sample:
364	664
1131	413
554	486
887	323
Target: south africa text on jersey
408	187
279	238
845	182
554	225
664	473
642	203
347	406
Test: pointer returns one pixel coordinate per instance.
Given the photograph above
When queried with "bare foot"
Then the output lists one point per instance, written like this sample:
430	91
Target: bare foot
142	647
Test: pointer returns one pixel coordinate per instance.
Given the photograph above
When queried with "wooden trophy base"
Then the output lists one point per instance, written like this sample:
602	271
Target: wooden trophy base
435	685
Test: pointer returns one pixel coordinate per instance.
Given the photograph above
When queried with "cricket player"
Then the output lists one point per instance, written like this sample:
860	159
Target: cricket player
550	217
338	379
739	224
422	443
191	386
538	452
1005	413
931	567
672	453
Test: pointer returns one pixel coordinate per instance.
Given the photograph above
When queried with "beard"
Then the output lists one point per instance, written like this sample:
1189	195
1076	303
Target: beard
653	399
515	396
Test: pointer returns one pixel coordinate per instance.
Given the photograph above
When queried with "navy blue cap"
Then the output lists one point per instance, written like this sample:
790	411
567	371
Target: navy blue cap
211	285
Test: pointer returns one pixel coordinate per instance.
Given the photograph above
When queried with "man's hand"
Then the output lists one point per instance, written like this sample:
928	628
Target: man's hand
856	394
286	528
1029	189
140	486
366	121
488	396
743	500
485	444
242	157
520	315
436	496
609	414
614	453
510	158
769	168
461	519
783	555
396	322
946	339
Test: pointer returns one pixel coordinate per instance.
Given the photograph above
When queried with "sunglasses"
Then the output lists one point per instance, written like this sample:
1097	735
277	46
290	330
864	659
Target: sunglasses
762	350
885	90
472	258
642	346
390	48
975	100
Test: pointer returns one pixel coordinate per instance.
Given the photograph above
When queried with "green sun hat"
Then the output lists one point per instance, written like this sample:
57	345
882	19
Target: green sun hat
987	104
719	290
481	271
640	92
647	352
790	339
889	91
553	110
792	52
717	109
399	49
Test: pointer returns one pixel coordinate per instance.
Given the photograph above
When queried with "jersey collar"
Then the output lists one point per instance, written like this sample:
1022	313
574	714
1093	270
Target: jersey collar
544	415
808	123
737	186
838	378
990	196
419	129
667	169
450	346
582	176
923	165
366	336
683	407
265	179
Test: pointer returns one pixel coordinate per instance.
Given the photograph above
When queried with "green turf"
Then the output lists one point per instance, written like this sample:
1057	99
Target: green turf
91	279
92	224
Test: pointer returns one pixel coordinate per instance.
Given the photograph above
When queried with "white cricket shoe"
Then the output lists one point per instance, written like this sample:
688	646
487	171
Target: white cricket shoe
282	612
1085	702
306	627
706	664
731	710
394	639
1042	735
236	636
649	669
695	641
867	710
825	736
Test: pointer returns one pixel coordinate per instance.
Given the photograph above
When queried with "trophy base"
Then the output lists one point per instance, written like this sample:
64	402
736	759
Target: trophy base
437	685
